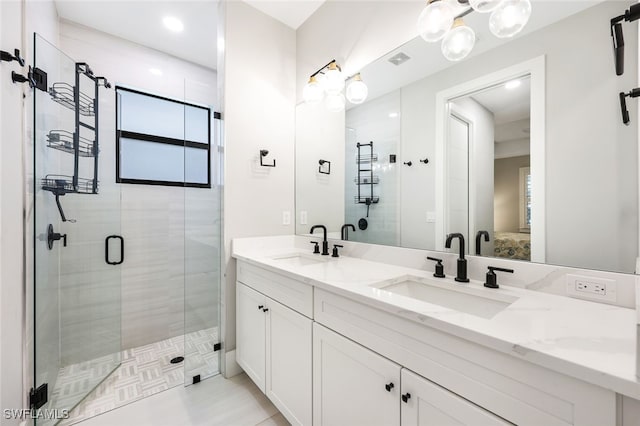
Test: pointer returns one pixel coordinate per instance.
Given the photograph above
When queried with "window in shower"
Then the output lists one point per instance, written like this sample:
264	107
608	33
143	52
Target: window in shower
162	141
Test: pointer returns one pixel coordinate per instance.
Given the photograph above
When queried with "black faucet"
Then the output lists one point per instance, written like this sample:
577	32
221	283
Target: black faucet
344	232
325	244
462	262
478	238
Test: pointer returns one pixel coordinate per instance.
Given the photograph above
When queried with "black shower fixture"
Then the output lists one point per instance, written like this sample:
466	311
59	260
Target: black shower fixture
630	15
623	103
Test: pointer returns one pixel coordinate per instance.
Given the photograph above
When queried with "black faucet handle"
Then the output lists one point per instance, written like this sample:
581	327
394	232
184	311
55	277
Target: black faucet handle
316	249
492	278
439	273
335	250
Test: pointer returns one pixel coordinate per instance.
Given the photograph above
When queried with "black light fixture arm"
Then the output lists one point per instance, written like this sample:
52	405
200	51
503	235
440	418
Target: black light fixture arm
325	67
630	15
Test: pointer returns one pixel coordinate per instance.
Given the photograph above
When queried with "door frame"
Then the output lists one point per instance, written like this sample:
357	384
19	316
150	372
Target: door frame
535	68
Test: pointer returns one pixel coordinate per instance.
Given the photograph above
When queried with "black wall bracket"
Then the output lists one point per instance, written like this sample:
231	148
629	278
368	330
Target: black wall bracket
8	57
326	165
264	153
623	103
38	397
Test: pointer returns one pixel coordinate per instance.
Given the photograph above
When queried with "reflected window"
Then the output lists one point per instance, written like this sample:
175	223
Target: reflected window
162	141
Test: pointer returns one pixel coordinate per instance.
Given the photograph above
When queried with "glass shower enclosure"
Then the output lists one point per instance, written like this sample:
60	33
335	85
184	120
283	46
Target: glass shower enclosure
78	247
96	244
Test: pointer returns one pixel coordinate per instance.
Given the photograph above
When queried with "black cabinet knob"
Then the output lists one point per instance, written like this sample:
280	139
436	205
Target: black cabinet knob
389	386
405	397
260	307
265	309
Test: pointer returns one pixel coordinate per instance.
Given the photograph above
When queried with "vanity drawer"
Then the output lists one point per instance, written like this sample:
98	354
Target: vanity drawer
518	391
291	293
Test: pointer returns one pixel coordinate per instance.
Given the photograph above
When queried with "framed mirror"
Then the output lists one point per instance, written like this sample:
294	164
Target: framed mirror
520	147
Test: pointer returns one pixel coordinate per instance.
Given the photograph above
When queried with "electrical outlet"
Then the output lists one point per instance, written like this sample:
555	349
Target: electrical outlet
591	288
303	217
286	217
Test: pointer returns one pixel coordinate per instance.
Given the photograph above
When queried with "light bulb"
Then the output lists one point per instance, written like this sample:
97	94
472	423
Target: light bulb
484	6
335	102
322	80
458	42
435	20
509	18
357	91
173	24
312	92
334	82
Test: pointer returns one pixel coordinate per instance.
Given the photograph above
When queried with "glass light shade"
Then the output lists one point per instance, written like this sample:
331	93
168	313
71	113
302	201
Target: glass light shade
509	18
435	20
313	92
334	82
458	42
322	80
484	6
357	91
335	102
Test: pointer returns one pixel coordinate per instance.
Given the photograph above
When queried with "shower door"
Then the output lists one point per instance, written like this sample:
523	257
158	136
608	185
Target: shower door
77	243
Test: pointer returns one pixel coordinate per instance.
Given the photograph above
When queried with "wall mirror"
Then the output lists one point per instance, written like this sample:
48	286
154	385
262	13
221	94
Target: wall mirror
520	146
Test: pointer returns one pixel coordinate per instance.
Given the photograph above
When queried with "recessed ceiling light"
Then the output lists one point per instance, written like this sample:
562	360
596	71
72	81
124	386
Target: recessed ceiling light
155	71
513	84
393	114
173	24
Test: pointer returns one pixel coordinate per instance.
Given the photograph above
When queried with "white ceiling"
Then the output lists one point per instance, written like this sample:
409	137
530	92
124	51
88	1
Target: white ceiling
140	21
292	13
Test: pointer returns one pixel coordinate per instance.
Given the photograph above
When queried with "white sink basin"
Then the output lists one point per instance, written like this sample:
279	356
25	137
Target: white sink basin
301	259
461	298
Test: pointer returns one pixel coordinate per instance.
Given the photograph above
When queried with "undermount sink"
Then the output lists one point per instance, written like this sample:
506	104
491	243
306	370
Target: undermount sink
301	259
457	297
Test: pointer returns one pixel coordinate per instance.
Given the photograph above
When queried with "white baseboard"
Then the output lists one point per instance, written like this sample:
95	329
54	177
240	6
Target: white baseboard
232	367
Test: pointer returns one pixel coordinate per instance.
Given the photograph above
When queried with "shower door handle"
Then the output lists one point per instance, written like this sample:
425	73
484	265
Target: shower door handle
106	249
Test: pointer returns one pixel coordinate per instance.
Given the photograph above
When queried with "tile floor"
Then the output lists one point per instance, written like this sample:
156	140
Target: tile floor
213	402
144	371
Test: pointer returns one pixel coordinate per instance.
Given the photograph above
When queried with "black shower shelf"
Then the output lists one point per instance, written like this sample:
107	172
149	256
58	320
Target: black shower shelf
363	200
364	159
366	180
62	140
63	94
63	184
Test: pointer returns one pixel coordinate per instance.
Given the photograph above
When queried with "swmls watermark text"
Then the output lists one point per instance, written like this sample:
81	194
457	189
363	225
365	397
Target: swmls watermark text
25	413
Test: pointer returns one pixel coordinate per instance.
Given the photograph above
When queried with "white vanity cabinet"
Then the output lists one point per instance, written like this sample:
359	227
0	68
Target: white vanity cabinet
351	384
274	347
426	404
355	386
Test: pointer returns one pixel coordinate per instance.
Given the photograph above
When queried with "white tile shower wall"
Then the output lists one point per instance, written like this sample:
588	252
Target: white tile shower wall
259	113
154	220
377	121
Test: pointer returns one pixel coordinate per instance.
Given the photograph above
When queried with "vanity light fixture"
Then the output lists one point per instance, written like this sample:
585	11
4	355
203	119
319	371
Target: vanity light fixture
438	21
155	71
458	42
623	104
357	91
328	83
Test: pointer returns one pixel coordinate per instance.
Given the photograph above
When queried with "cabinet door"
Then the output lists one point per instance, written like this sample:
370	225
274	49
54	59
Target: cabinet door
250	333
349	383
431	405
289	362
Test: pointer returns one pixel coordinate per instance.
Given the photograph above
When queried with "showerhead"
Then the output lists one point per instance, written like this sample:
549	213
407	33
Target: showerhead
623	108
618	47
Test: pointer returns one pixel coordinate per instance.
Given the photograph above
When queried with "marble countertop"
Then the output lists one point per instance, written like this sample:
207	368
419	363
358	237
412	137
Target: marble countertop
590	341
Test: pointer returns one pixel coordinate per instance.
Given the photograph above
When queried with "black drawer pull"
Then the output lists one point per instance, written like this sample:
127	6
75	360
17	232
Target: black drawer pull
106	250
389	386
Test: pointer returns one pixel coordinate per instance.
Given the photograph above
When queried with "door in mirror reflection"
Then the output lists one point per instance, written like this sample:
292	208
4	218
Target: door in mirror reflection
488	191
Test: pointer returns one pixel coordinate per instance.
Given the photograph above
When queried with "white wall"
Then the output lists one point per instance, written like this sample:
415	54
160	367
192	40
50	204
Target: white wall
259	113
318	135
